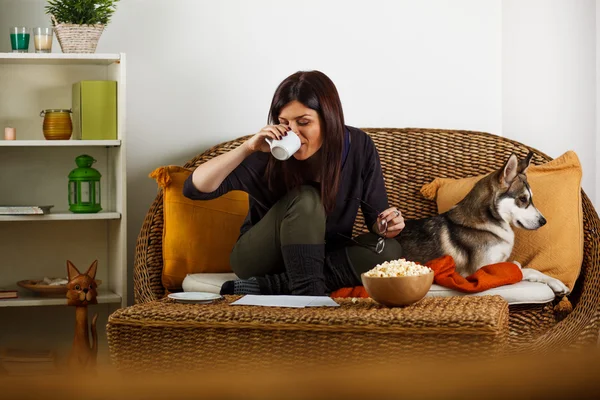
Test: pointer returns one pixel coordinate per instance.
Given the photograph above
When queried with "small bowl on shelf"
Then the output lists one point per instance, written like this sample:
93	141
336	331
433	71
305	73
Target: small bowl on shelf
397	291
37	286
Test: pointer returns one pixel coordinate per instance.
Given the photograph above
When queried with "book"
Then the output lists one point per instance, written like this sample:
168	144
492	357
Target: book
94	105
24	210
8	294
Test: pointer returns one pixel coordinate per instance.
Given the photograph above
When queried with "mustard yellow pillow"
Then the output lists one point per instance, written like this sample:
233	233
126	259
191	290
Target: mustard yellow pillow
555	249
197	235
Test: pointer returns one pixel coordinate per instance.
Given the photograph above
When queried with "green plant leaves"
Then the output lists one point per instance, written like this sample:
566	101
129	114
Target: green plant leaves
81	12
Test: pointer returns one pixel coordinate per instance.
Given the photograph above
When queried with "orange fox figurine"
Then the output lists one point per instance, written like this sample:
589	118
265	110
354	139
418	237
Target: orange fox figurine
81	291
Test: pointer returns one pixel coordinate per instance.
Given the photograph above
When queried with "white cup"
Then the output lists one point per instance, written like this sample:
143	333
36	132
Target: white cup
285	147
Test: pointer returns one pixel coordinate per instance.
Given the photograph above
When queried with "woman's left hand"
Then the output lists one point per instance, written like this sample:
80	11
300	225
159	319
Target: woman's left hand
395	222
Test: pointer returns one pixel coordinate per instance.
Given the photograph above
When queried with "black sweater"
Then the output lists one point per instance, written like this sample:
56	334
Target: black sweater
361	178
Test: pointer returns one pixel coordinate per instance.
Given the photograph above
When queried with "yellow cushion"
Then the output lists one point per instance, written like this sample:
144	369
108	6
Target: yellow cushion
555	249
197	235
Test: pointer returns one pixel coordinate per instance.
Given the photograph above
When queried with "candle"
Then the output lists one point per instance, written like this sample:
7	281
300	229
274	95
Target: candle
10	133
19	39
42	38
43	43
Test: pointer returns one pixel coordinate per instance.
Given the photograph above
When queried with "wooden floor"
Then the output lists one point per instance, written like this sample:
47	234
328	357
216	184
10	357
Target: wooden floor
545	377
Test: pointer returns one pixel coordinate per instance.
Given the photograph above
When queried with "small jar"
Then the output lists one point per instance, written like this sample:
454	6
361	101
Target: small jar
57	124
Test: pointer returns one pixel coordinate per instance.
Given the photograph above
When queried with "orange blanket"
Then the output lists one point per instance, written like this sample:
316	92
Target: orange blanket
444	269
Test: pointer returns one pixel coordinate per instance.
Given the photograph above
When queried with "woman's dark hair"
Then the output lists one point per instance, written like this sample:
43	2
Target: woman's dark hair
316	91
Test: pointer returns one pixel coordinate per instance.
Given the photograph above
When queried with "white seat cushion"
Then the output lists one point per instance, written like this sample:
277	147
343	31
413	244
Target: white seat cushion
206	282
518	293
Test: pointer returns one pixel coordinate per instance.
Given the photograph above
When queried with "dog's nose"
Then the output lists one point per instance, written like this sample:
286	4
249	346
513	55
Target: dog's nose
85	290
542	221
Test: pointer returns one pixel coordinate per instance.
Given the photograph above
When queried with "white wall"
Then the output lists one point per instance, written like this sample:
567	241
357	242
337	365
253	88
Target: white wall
549	78
201	72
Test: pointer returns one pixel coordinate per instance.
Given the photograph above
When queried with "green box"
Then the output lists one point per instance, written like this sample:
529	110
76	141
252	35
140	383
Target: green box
95	110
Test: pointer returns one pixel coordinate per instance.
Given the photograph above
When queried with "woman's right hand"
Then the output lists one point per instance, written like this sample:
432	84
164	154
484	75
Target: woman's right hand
258	142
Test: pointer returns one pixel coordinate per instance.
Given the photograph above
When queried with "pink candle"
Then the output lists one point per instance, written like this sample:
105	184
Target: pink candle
10	133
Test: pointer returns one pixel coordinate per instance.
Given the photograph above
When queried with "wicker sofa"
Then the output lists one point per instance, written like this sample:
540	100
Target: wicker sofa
410	158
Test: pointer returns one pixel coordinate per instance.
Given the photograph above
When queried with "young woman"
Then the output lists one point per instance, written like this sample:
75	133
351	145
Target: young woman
296	238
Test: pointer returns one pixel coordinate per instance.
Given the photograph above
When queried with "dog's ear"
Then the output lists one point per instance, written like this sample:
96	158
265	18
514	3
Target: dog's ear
509	171
524	163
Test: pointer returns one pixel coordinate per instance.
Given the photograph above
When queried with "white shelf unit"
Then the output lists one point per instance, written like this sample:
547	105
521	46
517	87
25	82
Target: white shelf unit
60	143
27	299
34	171
62	216
60	59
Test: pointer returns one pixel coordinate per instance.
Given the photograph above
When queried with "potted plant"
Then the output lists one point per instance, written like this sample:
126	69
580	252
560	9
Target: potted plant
78	24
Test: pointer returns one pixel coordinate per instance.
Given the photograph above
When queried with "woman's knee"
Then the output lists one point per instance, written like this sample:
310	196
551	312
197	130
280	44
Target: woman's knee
306	201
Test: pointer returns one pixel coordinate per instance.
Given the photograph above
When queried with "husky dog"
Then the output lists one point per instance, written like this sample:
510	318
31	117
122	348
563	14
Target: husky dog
477	231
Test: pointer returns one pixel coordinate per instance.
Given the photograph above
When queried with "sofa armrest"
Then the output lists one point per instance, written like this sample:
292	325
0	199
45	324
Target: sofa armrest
581	327
148	265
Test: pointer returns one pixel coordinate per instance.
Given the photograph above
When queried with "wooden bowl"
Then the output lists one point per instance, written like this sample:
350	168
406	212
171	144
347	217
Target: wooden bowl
46	290
397	291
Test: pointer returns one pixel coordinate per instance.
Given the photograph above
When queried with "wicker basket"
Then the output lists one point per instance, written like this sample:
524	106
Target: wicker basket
77	38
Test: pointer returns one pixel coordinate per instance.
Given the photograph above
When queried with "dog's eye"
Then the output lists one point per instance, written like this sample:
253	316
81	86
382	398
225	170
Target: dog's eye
523	199
77	287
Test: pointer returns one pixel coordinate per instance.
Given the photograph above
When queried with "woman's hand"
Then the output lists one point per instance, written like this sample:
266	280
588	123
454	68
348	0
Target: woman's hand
258	142
209	175
394	220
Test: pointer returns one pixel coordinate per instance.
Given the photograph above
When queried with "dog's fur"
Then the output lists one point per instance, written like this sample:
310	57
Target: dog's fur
477	231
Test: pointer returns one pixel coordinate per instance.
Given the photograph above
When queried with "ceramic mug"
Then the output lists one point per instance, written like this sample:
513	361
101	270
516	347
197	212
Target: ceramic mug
285	147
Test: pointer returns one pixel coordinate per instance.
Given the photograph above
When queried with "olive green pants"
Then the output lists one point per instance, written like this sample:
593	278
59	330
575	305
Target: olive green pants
299	218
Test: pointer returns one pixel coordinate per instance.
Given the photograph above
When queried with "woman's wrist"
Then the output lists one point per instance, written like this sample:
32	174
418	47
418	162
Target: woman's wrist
245	148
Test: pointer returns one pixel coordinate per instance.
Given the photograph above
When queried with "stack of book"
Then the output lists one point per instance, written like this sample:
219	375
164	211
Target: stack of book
8	294
16	362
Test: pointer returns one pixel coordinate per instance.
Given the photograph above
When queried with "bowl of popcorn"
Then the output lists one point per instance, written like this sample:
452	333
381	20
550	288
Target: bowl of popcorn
398	282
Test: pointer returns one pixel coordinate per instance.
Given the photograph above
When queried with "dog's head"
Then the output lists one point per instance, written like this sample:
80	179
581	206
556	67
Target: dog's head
514	200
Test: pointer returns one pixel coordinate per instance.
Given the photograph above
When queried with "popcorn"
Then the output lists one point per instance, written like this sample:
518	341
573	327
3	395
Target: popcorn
395	268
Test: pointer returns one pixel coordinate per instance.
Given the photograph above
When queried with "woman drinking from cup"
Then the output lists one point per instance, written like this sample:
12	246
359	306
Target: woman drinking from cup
306	174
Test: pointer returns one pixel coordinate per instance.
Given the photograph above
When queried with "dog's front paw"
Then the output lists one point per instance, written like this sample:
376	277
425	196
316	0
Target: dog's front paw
559	288
532	275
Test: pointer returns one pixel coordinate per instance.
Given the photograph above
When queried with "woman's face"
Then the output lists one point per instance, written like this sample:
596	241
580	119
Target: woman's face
307	124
